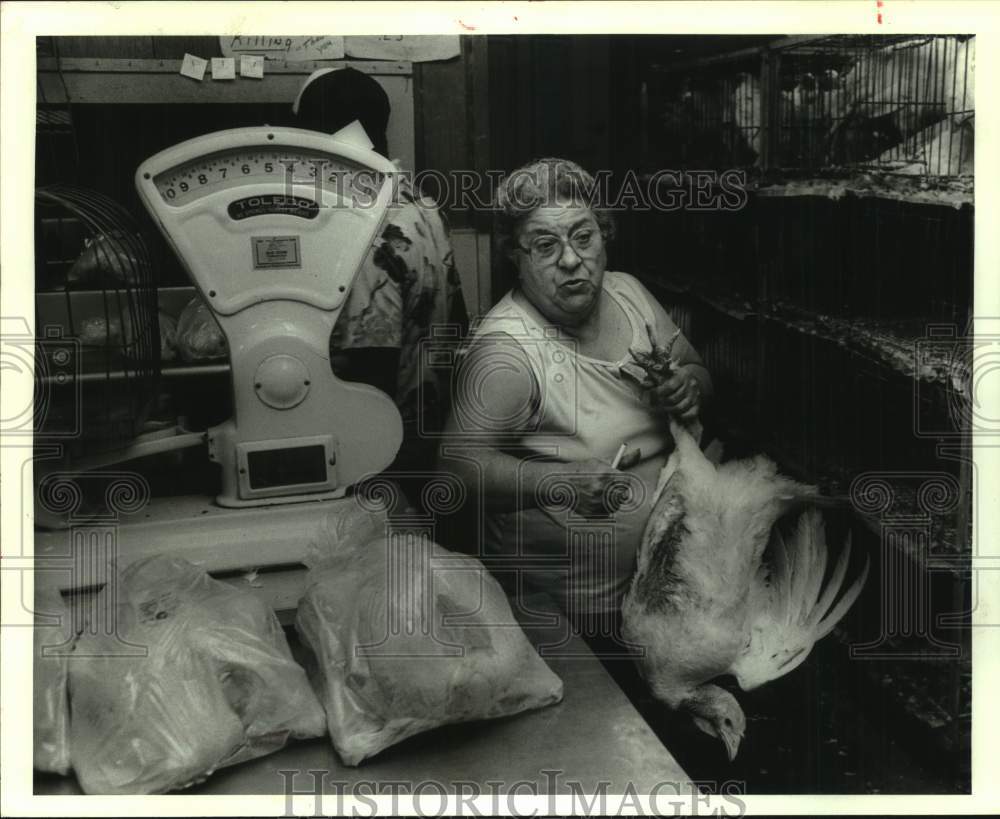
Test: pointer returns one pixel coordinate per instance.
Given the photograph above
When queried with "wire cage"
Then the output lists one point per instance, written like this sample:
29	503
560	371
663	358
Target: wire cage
98	335
898	104
706	115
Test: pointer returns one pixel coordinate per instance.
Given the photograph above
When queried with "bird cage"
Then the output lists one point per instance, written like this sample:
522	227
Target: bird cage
98	336
705	114
898	104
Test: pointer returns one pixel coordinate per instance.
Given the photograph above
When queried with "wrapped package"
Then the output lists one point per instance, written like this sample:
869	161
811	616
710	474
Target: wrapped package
407	636
195	675
199	336
116	332
53	641
113	257
168	337
98	331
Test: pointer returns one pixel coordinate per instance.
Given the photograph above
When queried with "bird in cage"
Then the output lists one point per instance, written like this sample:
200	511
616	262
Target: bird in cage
719	590
893	93
859	139
700	126
946	148
747	110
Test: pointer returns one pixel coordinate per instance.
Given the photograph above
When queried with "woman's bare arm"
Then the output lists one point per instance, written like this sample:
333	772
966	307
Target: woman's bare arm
495	403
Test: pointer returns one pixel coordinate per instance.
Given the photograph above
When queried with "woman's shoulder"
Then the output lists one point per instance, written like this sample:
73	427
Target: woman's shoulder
632	291
504	317
625	282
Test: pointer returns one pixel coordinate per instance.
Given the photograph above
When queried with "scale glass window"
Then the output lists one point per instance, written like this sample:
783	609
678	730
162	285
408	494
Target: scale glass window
271	468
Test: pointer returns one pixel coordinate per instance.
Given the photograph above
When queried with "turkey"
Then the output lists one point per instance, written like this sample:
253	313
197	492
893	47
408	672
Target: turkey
709	598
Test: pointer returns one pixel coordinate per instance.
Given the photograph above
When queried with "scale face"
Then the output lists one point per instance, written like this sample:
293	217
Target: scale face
272	225
237	167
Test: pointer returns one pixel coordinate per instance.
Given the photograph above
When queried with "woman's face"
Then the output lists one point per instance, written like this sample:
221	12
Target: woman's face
561	261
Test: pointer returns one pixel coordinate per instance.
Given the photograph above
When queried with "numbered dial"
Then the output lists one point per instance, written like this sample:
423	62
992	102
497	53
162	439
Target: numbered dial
246	166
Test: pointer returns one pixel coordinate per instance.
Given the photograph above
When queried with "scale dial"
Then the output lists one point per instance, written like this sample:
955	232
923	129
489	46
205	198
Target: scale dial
269	214
223	170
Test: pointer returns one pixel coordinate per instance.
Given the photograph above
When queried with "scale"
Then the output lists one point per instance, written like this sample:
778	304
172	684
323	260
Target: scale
272	225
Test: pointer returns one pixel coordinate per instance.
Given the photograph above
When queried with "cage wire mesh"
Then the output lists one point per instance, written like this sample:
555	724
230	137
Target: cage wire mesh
96	286
898	104
707	115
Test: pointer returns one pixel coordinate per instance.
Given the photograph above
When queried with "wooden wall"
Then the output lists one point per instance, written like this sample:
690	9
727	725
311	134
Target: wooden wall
149	48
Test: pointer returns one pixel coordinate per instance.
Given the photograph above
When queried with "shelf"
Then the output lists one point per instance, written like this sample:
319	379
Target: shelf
897	345
84	80
950	552
913	348
946	191
698	289
174	371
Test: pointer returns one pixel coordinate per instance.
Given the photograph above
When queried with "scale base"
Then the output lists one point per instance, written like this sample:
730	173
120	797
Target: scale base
258	549
237	503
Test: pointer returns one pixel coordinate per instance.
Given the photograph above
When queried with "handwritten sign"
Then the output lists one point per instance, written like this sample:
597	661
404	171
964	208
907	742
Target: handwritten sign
415	48
289	49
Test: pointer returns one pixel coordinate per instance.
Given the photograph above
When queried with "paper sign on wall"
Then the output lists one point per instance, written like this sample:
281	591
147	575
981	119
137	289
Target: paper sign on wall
223	68
252	66
194	67
415	48
289	49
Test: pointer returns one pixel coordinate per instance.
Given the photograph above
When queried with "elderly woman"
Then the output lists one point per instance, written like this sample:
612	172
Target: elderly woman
543	399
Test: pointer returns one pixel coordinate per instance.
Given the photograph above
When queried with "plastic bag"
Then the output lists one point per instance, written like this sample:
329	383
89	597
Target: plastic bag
117	332
98	331
199	336
111	257
195	675
408	640
53	642
168	337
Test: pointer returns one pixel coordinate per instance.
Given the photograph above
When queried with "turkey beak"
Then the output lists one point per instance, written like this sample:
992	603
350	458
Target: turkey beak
732	743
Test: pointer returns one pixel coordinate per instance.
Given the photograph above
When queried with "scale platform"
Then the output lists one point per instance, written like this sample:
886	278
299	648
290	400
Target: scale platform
259	549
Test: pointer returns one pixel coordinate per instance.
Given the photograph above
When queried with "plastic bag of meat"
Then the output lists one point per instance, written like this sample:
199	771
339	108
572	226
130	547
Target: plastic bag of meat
54	639
116	332
199	336
168	337
195	675
113	257
408	636
98	331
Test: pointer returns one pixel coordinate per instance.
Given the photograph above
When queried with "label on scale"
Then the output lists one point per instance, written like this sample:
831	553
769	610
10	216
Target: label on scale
270	203
276	251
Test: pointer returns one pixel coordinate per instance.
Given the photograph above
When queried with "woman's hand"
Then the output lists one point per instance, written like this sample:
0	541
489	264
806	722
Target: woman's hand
679	395
595	488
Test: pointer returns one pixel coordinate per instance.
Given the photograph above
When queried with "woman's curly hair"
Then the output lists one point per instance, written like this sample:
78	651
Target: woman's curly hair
540	183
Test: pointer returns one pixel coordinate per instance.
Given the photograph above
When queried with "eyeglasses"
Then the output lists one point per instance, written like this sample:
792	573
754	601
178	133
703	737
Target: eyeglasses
544	250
